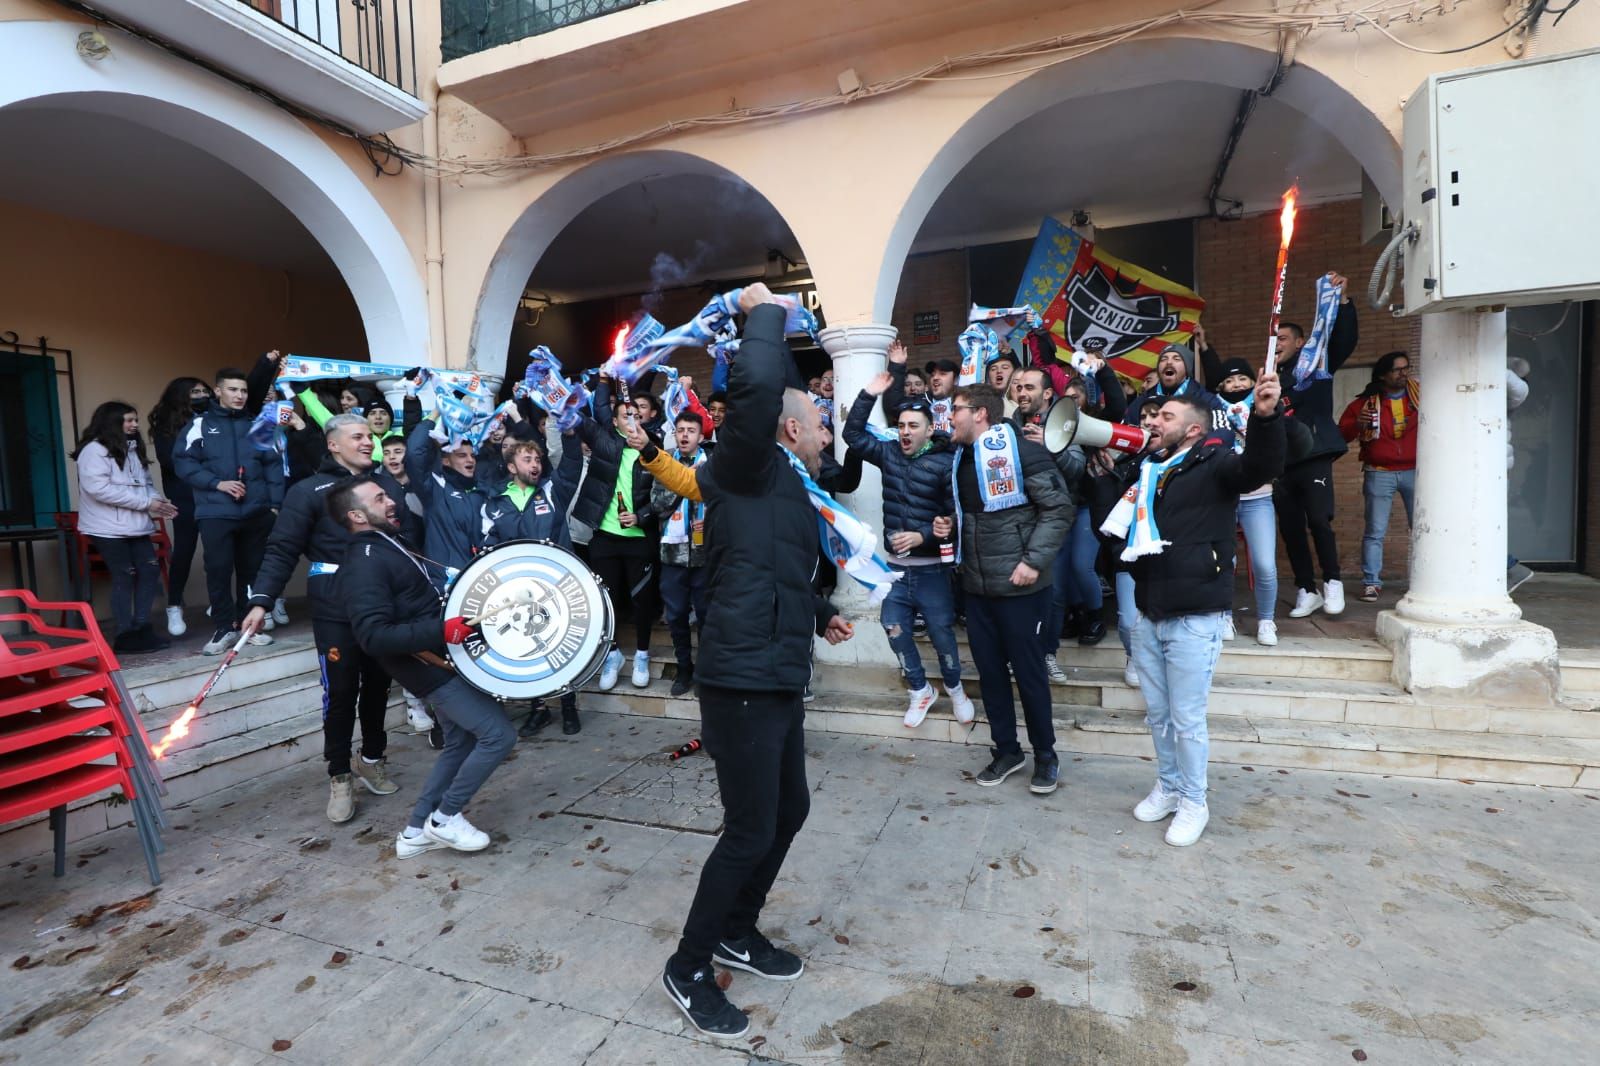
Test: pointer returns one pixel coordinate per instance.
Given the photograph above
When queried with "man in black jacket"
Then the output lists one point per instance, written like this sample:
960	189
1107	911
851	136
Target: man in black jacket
1013	511
395	603
754	664
916	490
353	684
1179	520
238	487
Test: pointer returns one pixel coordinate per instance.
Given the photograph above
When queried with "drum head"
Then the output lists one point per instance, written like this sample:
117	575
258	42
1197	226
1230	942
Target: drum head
547	621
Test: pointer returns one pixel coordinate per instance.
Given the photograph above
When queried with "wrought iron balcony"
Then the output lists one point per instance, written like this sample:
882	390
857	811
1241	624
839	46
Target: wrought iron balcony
475	25
379	36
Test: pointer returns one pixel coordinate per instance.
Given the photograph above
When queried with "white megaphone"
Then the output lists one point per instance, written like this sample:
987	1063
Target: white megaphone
1064	424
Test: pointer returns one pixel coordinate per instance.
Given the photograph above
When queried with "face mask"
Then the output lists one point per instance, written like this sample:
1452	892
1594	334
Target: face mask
1235	395
199	403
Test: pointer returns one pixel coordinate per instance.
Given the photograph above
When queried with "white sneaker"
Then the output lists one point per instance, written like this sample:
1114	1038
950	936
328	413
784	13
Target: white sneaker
175	624
1306	603
1333	597
961	705
1228	631
1058	676
921	701
1130	675
1157	805
280	612
417	716
454	832
407	847
267	624
1189	824
609	672
641	669
1267	634
259	639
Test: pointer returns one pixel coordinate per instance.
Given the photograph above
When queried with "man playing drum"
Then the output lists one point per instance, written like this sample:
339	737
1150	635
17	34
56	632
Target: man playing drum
395	606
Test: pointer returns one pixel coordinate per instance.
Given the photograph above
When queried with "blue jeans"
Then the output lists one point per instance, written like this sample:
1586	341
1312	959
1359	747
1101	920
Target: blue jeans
1175	658
1379	487
1259	520
477	738
1127	610
1074	582
925	590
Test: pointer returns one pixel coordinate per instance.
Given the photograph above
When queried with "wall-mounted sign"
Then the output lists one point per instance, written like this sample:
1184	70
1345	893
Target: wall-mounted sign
925	327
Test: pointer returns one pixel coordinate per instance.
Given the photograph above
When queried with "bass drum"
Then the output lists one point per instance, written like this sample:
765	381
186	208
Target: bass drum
545	621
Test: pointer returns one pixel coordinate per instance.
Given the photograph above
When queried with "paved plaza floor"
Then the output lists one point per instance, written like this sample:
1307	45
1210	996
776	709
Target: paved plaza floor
1324	918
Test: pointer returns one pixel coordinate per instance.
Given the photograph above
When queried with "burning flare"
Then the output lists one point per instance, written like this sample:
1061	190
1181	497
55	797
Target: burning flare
1286	217
176	731
1280	276
620	345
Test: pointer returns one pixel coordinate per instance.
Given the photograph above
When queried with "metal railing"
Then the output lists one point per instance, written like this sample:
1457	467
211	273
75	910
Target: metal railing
379	36
475	25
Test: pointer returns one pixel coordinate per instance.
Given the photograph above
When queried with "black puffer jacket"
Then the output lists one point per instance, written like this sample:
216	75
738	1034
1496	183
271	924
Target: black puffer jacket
915	491
1196	511
994	542
395	610
216	447
303	528
761	612
452	504
605	460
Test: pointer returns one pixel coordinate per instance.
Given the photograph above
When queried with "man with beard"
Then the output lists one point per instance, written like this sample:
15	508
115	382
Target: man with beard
395	602
1012	514
1178	519
1175	376
916	490
941	375
354	685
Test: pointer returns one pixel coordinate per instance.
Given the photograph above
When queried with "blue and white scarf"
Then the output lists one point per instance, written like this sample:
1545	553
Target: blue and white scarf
979	345
997	464
1134	516
1312	364
824	408
1238	415
849	542
681	522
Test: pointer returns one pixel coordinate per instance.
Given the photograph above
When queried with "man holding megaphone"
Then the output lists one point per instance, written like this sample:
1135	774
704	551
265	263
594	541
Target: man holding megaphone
1178	519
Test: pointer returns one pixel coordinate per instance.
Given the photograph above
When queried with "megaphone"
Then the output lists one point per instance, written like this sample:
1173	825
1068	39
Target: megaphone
1064	424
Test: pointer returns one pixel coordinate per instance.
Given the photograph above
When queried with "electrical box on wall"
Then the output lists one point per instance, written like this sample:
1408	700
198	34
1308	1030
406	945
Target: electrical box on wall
1502	181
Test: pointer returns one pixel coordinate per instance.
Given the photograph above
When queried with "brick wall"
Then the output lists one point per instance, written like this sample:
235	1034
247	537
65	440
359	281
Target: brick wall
933	282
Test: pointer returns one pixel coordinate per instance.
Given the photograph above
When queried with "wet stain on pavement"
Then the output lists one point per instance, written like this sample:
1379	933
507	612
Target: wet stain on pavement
1447	1029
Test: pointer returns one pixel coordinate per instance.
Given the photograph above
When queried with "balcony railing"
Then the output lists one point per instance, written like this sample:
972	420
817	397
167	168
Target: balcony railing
474	25
379	36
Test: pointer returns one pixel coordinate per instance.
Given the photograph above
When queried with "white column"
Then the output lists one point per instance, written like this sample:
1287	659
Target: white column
1456	630
859	352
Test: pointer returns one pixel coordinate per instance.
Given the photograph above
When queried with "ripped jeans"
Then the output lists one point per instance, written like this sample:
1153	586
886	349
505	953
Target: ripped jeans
1175	658
926	590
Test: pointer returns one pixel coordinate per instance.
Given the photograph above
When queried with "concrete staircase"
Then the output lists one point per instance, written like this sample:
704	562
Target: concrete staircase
265	713
1311	703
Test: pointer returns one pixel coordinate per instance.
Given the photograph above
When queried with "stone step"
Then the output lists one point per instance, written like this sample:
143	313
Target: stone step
1580	676
227	714
1442	753
160	685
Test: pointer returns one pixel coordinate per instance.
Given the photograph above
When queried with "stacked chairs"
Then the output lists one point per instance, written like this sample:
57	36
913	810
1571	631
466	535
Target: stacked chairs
63	709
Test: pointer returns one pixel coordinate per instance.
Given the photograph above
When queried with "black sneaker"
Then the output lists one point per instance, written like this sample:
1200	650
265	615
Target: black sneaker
758	955
1093	631
703	1003
1001	768
436	737
537	720
1046	771
684	681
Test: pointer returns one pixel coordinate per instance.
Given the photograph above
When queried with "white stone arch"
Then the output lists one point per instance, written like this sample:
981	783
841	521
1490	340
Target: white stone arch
542	220
147	87
1132	65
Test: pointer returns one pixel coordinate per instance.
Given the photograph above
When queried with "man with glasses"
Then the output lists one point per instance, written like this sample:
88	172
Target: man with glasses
1384	418
1012	512
916	490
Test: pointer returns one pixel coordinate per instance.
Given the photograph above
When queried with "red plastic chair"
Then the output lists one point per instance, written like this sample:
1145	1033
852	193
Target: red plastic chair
54	792
89	561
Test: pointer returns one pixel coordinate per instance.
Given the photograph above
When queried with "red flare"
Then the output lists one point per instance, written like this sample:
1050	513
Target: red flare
175	732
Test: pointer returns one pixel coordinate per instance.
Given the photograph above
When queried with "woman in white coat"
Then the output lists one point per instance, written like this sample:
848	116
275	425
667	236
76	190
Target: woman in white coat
117	508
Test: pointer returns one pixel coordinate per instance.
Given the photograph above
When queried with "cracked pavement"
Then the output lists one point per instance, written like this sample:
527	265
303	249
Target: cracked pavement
1321	915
